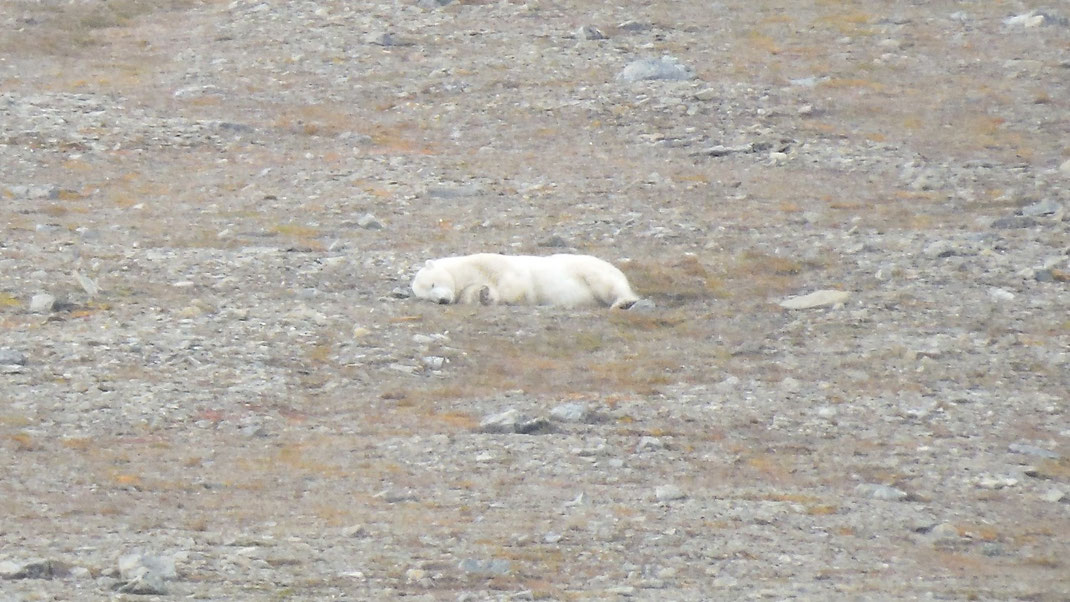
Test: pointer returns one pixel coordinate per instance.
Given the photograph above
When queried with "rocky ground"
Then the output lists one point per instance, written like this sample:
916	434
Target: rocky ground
215	387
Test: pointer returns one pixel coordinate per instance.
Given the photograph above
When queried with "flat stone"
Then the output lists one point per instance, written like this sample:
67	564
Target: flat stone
12	357
665	68
643	305
821	298
454	192
1013	222
1032	450
1041	208
487	567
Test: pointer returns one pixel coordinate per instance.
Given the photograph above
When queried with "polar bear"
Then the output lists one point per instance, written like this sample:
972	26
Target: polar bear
562	280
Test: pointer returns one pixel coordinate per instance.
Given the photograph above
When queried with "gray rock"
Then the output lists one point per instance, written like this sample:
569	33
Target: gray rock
1033	19
369	222
12	357
401	292
706	94
1053	495
34	569
554	241
552	537
145	573
42	303
1064	168
387	39
1000	294
634	26
720	150
503	422
878	491
434	362
939	249
643	305
995	482
666	68
87	283
570	412
1041	208
1032	450
590	32
649	444
668	493
355	531
512	421
945	531
147	584
1014	222
454	192
486	567
43	192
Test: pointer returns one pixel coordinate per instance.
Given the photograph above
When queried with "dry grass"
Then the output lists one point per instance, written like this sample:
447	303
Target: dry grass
71	28
681	280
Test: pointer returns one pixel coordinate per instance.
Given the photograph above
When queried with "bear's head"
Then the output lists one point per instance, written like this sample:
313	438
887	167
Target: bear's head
434	283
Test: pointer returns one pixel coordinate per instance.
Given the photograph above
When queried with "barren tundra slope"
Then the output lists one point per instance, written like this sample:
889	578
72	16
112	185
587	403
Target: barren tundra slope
848	380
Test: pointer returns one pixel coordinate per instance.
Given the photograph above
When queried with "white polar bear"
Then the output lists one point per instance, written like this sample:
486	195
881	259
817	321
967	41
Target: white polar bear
488	278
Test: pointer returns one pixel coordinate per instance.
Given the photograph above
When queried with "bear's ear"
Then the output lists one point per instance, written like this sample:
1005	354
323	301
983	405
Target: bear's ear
430	262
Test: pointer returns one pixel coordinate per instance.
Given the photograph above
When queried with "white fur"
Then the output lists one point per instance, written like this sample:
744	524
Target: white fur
488	278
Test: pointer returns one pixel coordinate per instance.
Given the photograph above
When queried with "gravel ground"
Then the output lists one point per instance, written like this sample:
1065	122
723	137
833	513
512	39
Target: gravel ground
215	385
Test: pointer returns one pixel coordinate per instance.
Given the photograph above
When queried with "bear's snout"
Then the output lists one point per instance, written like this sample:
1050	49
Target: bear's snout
443	301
